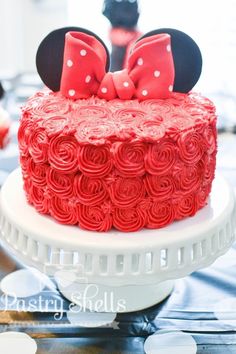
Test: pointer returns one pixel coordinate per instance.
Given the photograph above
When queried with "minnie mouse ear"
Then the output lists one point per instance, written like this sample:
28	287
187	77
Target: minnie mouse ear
50	54
187	58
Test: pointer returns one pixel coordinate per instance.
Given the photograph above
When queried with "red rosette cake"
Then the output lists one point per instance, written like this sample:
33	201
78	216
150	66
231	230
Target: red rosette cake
109	162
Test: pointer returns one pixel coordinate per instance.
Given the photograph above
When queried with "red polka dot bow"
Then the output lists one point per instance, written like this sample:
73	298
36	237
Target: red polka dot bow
149	73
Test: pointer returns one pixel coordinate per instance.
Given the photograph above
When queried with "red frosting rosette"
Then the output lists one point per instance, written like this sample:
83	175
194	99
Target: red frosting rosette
160	187
60	184
130	219
48	105
38	145
129	158
160	157
90	191
202	195
92	111
210	134
37	172
128	120
63	211
94	131
24	133
63	153
188	178
37	197
160	214
127	192
191	147
95	161
94	218
185	206
209	170
55	125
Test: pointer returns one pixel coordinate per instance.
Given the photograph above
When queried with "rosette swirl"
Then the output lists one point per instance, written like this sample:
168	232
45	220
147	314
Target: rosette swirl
93	111
38	145
159	187
189	178
94	218
37	171
63	153
38	199
63	211
55	125
129	158
191	147
202	195
185	206
129	220
160	214
95	161
90	191
24	133
160	157
60	184
127	192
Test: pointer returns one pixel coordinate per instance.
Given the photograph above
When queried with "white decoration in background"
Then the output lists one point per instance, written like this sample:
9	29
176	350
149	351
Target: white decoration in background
66	278
17	343
25	282
170	342
225	311
89	319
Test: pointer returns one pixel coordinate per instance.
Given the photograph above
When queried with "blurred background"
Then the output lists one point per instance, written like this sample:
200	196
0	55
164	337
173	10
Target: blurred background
24	23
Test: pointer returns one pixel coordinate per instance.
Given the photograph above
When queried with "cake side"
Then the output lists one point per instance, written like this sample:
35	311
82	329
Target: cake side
122	164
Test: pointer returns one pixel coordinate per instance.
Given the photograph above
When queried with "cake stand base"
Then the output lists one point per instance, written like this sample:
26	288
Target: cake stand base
102	298
115	271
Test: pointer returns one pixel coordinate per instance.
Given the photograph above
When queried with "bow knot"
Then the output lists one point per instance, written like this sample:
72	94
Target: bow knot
149	73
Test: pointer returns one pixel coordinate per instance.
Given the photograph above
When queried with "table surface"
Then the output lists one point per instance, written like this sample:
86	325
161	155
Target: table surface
203	305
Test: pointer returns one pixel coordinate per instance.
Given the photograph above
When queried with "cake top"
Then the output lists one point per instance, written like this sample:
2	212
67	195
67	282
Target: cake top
96	121
75	62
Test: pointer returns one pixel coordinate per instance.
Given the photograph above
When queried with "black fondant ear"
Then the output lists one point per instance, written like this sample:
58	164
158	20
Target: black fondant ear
187	58
1	91
49	57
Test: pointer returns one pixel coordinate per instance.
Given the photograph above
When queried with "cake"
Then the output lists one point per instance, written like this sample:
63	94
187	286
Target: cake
107	163
4	128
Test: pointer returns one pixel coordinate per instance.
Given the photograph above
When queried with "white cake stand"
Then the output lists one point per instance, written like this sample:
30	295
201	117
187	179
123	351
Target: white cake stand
129	271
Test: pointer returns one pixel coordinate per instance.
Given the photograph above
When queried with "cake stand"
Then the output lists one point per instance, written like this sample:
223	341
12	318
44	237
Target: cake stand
115	271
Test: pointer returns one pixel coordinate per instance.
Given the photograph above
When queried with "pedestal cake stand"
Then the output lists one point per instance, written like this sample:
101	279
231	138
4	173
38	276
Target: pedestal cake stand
115	271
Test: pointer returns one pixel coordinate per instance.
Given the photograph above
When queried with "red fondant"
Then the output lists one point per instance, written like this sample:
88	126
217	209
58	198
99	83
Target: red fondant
149	72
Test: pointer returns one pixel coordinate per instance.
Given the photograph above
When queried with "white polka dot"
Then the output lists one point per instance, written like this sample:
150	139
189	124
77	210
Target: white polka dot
144	93
65	278
168	48
88	79
89	319
31	281
104	90
170	342
170	88
69	63
126	84
157	73
140	61
17	342
71	92
83	52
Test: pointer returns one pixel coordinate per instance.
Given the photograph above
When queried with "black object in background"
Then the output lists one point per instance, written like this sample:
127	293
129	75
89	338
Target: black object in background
1	91
124	13
123	16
